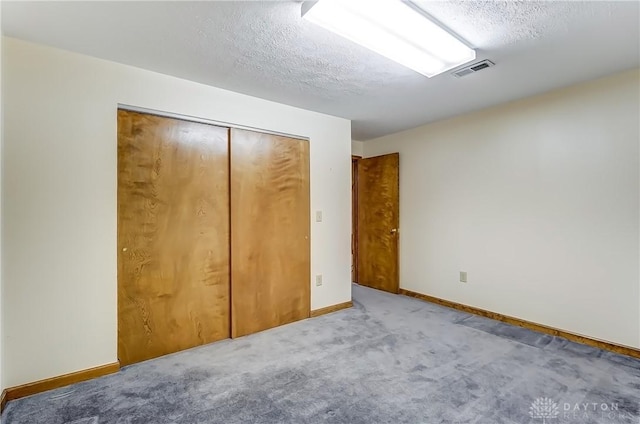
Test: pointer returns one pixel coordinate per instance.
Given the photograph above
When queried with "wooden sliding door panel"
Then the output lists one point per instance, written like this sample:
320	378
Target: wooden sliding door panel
270	247
173	235
378	216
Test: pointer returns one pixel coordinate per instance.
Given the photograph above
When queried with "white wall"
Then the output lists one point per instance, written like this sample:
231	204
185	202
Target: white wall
357	148
59	194
2	386
538	200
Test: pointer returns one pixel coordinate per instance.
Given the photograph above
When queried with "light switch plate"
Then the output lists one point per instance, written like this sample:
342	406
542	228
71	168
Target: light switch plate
318	216
319	280
463	276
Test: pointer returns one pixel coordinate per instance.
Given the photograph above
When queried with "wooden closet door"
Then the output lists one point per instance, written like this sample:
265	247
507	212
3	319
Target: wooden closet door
270	247
173	235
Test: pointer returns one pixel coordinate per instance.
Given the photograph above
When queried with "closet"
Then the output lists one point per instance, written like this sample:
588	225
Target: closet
213	233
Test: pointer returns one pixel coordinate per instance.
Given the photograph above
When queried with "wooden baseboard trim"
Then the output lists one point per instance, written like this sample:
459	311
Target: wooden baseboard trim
3	401
329	309
17	392
600	344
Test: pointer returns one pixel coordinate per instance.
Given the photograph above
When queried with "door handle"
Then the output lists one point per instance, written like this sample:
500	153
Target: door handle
394	230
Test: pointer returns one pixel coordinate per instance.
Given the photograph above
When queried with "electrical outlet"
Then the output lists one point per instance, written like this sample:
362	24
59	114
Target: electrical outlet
463	276
319	280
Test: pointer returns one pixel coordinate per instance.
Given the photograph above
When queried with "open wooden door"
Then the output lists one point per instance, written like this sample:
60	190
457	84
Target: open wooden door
270	226
173	235
378	217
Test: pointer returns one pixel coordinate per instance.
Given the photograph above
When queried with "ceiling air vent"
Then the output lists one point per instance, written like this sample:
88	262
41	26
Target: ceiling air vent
478	66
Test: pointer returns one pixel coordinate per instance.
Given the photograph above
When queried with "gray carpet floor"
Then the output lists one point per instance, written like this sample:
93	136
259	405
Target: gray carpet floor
389	359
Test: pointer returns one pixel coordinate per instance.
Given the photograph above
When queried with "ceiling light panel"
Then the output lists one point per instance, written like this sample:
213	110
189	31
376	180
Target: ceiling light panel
393	29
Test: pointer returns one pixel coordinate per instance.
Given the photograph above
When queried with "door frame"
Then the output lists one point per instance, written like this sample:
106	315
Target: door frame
190	118
354	217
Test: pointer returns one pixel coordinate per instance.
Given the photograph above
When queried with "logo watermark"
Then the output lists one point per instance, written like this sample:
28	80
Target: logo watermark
550	411
544	408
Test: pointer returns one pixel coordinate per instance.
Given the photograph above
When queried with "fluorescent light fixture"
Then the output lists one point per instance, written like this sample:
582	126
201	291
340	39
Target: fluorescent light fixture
393	29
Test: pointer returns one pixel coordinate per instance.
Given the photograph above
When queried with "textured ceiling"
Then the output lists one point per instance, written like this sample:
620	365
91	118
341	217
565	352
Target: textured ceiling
266	50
